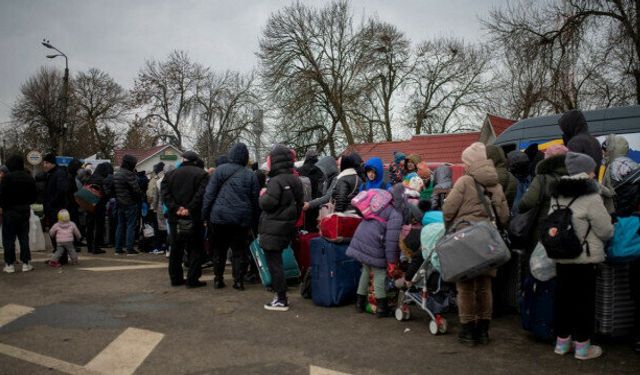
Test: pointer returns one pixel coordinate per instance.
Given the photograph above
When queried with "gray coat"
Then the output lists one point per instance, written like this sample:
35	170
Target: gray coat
375	243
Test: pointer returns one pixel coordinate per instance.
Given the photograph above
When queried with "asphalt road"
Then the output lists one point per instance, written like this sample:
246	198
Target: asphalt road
91	318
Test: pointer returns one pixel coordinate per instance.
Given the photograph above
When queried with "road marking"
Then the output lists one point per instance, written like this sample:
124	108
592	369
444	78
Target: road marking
126	352
125	260
11	312
43	360
124	268
315	370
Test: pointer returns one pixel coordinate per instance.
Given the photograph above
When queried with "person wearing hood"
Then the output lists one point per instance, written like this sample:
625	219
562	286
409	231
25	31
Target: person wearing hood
619	166
231	205
281	206
552	168
396	168
576	278
182	194
463	203
95	220
348	183
374	172
411	163
442	186
329	169
56	191
17	193
310	170
576	136
128	194
507	180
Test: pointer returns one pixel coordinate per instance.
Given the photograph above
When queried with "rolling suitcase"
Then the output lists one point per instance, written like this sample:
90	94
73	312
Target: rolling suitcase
507	285
536	307
302	250
334	275
614	303
291	270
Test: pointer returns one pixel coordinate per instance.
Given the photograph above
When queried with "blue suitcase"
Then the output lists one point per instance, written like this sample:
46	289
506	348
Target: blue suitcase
291	269
334	275
536	307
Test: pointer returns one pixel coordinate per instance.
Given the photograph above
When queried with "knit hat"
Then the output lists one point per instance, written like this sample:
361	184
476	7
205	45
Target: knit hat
50	157
311	154
476	152
191	156
413	182
398	157
423	170
158	167
579	163
555	150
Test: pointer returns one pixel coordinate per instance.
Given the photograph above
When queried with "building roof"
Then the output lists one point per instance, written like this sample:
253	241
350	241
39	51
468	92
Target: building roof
140	154
499	124
432	148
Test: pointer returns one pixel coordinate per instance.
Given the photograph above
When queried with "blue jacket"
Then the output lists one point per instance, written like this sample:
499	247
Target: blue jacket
378	183
231	197
375	243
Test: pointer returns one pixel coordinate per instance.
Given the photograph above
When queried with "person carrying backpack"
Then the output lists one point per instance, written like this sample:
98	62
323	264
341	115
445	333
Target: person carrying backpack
574	234
375	245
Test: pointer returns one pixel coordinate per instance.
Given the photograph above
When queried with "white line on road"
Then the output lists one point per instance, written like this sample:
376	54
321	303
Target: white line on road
315	370
124	268
43	360
125	353
11	312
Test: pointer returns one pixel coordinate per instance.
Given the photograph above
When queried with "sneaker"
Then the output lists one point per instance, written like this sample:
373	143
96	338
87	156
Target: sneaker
167	253
563	346
132	252
156	252
277	305
584	351
54	264
9	268
27	267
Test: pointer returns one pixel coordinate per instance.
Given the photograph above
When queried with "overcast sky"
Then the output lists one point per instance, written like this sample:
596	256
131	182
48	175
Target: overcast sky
118	36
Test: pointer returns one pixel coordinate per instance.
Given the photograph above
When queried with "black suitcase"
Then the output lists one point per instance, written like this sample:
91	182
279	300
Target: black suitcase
507	285
614	303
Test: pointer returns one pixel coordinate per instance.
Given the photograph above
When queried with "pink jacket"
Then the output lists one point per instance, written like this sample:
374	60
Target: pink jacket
64	232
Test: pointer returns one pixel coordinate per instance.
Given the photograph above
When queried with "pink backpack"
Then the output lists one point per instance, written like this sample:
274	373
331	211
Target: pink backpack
371	203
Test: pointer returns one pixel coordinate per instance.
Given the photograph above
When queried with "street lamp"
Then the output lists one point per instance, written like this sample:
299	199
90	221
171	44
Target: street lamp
65	96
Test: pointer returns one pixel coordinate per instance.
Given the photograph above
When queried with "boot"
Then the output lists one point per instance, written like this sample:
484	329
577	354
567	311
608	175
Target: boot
361	303
238	285
382	308
482	331
466	334
218	282
584	350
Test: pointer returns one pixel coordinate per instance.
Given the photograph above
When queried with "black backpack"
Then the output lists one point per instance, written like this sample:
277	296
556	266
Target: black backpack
558	236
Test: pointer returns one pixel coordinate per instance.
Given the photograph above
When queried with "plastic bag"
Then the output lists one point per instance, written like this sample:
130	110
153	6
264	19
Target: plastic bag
542	267
36	237
148	231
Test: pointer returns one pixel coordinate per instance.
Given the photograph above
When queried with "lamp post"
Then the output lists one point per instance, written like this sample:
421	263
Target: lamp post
65	96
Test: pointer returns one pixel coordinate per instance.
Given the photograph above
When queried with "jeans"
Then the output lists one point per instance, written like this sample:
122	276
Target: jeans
127	218
475	299
193	245
95	228
223	237
575	301
14	226
379	275
278	281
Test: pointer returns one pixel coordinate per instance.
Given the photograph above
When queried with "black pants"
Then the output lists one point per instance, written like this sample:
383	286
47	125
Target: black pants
193	246
222	237
635	293
278	281
95	228
575	300
15	225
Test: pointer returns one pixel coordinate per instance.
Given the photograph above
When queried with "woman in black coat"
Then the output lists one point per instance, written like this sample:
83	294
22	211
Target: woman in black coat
348	185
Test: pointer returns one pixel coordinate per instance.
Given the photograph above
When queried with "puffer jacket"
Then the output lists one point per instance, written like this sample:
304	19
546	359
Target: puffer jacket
184	187
329	171
56	193
588	210
231	196
577	138
548	170
507	180
348	183
281	204
17	191
376	165
375	243
64	232
125	182
463	202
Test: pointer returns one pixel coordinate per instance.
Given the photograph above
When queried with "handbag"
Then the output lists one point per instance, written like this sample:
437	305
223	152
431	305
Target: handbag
88	197
184	227
521	225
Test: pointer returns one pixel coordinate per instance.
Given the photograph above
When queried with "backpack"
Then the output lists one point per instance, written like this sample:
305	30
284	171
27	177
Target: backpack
558	236
370	203
306	188
625	244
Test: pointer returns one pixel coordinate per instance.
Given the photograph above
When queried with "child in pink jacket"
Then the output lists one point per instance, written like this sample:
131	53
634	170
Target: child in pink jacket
64	232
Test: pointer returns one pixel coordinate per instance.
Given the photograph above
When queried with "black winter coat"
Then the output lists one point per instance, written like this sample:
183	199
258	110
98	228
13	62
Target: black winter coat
56	193
184	187
347	187
281	204
231	196
577	138
125	183
18	192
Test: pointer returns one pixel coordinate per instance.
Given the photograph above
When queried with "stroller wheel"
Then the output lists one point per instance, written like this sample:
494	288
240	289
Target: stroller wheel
433	327
402	314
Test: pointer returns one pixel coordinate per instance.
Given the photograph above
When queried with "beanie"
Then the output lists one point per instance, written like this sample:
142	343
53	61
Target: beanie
476	152
555	150
398	157
190	156
579	163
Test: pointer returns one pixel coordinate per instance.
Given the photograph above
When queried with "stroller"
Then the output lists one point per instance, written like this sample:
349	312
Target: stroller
429	293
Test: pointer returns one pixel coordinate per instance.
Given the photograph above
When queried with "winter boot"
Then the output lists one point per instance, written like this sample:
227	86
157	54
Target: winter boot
466	334
382	308
563	346
482	331
238	285
584	350
218	282
361	303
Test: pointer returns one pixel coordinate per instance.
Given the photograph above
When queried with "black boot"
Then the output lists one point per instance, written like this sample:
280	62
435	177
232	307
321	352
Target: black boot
218	282
238	285
382	308
466	334
361	303
482	331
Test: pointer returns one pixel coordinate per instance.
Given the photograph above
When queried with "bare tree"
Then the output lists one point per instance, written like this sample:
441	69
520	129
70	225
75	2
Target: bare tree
139	135
100	103
166	92
447	85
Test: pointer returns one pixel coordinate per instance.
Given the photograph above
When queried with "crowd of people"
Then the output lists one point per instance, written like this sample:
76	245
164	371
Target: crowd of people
197	216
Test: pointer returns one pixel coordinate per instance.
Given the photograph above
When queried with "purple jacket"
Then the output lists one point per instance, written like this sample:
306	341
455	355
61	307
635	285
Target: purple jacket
376	244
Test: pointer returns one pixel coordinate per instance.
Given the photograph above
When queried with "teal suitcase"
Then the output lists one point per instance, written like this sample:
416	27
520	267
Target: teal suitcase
291	269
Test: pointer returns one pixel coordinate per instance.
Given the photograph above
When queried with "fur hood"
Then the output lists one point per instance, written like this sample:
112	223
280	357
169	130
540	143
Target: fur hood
574	186
553	165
